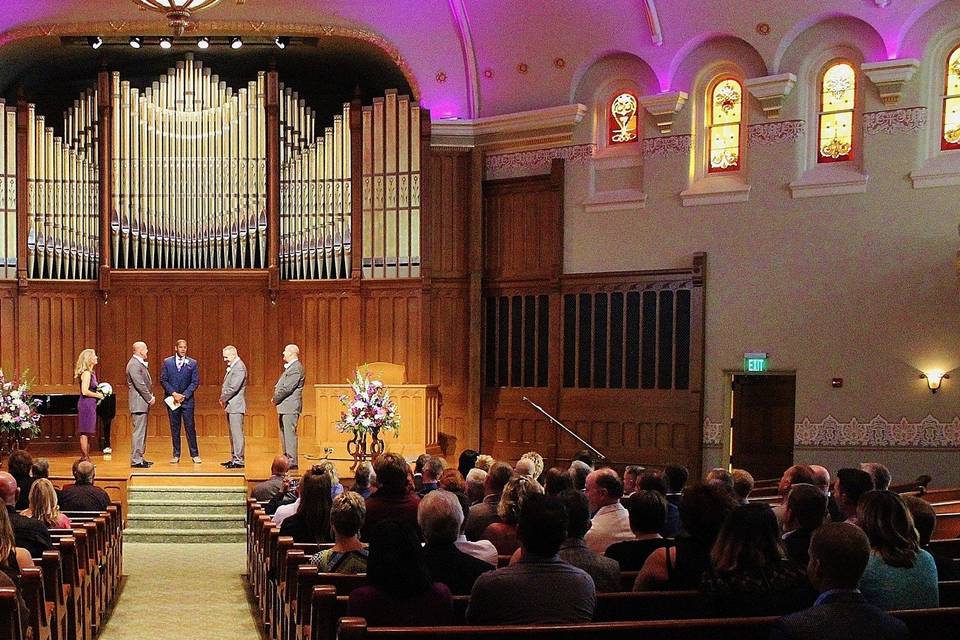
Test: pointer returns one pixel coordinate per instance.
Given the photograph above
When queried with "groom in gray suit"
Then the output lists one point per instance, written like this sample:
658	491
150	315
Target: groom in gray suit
234	402
288	396
141	398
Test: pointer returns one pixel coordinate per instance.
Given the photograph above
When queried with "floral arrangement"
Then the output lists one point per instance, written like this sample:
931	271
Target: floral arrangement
370	409
18	409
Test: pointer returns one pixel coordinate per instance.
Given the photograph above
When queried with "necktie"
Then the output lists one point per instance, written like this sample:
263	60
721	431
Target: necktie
179	364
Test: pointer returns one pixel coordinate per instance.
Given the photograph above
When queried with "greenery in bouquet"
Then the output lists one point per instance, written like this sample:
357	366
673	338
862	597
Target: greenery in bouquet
18	408
369	408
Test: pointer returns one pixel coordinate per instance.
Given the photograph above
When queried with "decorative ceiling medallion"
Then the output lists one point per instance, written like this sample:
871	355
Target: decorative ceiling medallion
178	12
559	63
522	67
488	73
441	77
763	28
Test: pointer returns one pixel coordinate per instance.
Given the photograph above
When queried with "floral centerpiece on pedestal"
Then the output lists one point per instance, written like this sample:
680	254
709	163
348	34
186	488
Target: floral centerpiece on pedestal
368	410
19	418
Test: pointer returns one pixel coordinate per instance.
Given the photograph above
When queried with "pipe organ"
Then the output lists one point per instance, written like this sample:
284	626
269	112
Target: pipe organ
8	192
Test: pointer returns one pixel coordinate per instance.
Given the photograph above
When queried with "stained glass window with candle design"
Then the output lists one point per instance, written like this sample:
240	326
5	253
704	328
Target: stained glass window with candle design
622	120
837	102
951	104
726	107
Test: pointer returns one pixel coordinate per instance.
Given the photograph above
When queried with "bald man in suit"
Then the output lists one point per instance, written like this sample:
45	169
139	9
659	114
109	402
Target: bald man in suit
288	397
233	400
141	398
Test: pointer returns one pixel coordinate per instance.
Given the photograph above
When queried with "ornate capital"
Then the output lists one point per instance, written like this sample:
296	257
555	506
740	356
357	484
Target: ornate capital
663	106
889	76
771	91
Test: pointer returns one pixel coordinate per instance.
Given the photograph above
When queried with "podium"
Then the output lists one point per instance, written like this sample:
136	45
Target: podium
417	404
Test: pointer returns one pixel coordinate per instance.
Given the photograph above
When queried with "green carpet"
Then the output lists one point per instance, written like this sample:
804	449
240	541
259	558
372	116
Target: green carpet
173	592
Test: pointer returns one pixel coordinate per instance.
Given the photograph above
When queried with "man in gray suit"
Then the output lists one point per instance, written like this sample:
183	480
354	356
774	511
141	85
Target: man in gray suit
234	402
141	398
288	396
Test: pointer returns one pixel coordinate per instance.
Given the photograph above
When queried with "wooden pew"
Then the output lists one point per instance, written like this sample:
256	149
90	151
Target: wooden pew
948	548
54	589
941	495
948	526
949	593
31	588
10	623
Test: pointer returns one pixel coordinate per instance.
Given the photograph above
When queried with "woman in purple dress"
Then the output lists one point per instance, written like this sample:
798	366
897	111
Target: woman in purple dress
87	405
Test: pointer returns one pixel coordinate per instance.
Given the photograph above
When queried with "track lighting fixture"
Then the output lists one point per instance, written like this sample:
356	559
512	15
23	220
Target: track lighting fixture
136	42
95	42
236	42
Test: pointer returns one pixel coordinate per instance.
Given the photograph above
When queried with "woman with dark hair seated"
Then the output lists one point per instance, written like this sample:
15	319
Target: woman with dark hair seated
556	481
648	510
899	574
20	465
400	591
750	574
311	522
703	510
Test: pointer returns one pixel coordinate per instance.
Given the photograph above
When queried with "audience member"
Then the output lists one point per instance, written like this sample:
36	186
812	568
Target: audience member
347	555
703	510
287	501
537	460
722	478
749	573
585	456
526	467
503	533
925	520
899	574
41	469
44	507
805	512
433	467
579	470
311	522
838	555
440	517
485	462
541	588
482	549
467	461
400	591
655	482
485	513
20	465
878	473
362	478
848	488
451	480
393	498
676	477
13	558
556	481
797	474
611	522
31	534
83	495
476	485
266	490
604	571
630	474
647	510
742	485
418	470
821	480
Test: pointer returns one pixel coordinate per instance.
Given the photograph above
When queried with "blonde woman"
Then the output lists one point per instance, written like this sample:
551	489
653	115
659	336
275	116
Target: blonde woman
44	507
87	405
503	533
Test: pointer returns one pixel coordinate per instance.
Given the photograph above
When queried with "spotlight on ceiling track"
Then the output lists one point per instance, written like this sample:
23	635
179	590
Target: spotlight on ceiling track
95	42
166	43
282	41
203	43
136	42
236	42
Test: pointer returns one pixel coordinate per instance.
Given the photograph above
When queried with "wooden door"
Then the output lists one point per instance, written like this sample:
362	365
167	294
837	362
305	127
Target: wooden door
763	424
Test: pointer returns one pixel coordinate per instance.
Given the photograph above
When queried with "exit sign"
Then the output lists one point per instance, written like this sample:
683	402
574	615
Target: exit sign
755	362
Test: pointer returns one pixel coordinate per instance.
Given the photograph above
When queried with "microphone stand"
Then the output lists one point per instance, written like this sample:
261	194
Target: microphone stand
564	427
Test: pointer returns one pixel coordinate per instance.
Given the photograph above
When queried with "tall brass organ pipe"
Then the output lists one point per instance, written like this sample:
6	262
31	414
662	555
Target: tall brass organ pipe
189	165
314	192
63	194
8	192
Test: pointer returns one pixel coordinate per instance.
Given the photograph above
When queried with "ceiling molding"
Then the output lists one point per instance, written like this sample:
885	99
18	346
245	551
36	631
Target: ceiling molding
540	128
653	22
460	18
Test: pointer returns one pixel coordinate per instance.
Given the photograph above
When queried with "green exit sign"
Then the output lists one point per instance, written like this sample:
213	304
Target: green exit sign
754	362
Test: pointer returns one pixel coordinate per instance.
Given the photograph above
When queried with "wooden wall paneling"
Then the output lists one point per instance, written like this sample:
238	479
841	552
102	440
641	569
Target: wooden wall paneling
8	327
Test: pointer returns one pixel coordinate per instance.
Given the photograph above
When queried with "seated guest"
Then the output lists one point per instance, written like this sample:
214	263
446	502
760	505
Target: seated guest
838	555
440	516
703	510
925	520
485	513
676	477
467	461
526	467
451	480
31	534
287	501
541	588
630	475
418	470
20	466
647	510
556	481
749	573
604	571
878	473
537	460
362	479
503	533
476	485
83	495
848	488
481	549
400	591
742	485
311	521
585	457
899	574
655	482
393	498
579	470
806	510
796	474
347	555
485	462
610	523
43	505
821	480
433	467
722	478
12	560
266	490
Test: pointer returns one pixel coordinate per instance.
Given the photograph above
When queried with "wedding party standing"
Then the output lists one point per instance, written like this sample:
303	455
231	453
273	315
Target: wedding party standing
234	403
179	377
87	404
288	397
140	400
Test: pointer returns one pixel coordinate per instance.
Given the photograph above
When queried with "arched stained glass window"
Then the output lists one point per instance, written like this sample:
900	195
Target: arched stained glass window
951	103
837	102
726	108
622	119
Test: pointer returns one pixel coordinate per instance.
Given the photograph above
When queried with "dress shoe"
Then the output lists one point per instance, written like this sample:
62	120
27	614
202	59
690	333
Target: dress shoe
175	460
226	464
235	465
140	465
147	462
197	460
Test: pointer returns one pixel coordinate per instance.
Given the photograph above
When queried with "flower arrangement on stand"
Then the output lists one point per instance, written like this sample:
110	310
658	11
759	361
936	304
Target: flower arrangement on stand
368	411
19	415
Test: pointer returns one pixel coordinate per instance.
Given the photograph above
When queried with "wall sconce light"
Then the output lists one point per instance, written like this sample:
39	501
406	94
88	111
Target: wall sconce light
934	379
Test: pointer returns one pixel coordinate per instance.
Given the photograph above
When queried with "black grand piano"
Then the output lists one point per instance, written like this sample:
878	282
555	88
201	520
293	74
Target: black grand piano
65	404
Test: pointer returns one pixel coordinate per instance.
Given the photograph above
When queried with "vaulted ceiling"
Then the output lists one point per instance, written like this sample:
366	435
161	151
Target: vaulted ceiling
471	58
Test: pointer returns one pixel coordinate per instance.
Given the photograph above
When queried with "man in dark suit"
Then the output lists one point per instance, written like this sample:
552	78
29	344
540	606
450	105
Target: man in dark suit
179	377
440	516
31	534
288	397
838	556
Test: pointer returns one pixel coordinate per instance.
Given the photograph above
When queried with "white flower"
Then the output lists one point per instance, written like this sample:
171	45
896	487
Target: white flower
6	417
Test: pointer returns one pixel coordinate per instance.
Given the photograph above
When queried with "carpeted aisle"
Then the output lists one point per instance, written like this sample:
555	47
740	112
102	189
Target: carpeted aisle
176	591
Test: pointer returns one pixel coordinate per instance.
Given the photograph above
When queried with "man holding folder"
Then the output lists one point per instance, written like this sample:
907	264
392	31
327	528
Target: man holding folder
179	377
